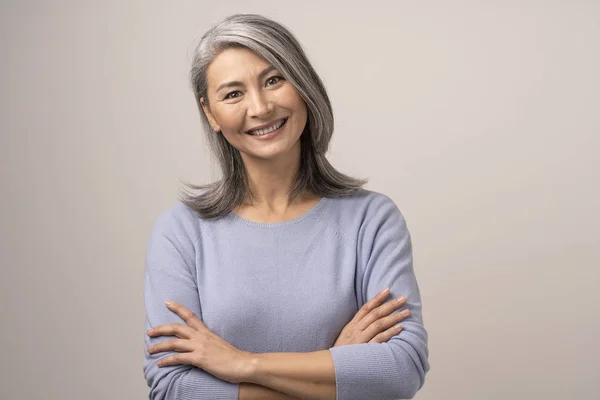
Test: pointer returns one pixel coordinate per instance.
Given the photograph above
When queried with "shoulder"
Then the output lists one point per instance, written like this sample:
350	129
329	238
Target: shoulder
365	216
177	220
368	206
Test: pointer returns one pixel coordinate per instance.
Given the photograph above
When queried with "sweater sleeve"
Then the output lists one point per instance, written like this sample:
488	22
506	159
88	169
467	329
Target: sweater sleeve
395	369
170	275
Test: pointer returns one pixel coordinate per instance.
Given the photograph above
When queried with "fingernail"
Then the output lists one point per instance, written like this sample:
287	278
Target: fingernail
385	291
169	303
398	327
401	299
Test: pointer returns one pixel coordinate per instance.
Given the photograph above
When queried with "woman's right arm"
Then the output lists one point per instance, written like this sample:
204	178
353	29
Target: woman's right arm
169	275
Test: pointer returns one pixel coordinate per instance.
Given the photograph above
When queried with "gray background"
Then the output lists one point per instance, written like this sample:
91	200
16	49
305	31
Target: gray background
480	119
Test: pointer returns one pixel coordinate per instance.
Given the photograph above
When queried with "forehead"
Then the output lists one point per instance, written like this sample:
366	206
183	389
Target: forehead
234	64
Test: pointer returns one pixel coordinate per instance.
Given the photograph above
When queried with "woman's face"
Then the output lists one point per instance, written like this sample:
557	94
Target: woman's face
249	100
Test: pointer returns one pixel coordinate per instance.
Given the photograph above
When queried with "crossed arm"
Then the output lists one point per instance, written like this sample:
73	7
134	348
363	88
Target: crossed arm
249	391
274	375
388	368
296	375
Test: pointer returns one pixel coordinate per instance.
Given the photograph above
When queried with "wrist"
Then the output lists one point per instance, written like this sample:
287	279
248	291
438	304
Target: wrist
251	367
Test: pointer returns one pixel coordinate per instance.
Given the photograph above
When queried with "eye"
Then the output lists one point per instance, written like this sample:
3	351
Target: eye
274	80
232	95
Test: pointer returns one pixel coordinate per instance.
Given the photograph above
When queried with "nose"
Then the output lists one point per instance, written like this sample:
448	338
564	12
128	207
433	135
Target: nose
259	105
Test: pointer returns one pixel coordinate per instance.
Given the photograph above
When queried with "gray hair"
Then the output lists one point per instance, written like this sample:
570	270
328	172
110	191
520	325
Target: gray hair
274	43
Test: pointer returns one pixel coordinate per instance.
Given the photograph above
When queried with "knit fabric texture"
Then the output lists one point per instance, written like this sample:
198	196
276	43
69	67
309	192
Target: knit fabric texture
287	287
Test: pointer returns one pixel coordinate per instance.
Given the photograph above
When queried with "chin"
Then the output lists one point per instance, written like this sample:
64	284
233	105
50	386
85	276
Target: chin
275	152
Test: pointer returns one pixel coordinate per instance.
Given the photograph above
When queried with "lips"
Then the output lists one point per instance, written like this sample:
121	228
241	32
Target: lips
265	126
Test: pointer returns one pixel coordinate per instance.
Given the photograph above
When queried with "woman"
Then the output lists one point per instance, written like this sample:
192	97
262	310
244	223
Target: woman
278	271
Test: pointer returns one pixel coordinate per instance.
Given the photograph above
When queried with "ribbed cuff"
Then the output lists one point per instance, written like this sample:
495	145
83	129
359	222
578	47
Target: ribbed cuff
364	371
198	385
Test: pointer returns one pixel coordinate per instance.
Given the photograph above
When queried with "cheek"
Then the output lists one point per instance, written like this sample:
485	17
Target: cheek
301	111
290	99
230	118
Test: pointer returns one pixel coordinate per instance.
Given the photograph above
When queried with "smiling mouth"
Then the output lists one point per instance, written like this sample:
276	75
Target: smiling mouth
265	131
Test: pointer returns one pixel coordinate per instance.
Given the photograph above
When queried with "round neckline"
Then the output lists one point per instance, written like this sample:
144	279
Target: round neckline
313	210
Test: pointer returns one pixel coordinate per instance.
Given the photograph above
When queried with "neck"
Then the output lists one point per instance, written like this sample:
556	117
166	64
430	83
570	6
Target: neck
271	181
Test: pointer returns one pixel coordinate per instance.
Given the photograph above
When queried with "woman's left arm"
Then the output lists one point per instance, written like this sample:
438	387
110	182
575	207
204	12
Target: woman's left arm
395	369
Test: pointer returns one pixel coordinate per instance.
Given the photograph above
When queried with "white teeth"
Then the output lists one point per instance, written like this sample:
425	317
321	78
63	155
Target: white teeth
261	132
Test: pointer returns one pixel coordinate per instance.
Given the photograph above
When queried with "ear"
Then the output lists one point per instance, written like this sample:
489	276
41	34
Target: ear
211	119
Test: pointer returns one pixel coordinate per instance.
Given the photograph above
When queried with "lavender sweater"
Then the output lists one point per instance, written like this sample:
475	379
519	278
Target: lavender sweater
287	287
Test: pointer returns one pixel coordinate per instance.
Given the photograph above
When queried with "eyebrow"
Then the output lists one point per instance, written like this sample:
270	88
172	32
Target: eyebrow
238	83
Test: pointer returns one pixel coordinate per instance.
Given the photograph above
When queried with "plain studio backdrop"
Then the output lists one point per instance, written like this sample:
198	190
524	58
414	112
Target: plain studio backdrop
480	119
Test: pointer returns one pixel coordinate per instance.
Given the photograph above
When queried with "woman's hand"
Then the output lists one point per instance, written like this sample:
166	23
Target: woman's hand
199	346
374	322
